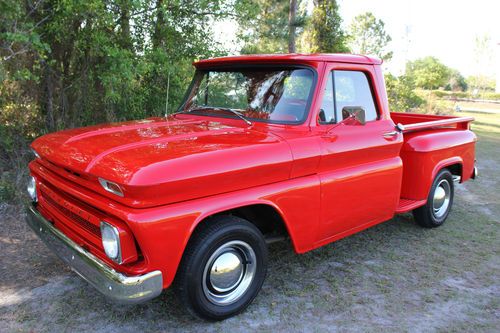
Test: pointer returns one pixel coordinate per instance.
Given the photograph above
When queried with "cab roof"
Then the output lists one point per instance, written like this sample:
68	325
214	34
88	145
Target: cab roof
289	58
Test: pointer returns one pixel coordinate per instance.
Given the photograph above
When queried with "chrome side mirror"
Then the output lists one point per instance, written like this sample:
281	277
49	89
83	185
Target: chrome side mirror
353	115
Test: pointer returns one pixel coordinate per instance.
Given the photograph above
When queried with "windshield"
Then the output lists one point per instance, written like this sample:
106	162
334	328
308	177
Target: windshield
262	94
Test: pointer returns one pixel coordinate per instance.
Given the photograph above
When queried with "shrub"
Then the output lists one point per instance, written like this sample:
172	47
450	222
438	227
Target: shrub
401	93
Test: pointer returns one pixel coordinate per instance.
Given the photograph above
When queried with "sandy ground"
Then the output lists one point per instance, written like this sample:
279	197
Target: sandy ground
395	277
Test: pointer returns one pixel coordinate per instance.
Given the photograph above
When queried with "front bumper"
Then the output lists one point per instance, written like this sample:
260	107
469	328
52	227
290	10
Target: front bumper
114	285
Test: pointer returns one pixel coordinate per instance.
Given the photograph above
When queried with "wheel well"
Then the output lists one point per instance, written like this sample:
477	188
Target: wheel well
266	218
455	169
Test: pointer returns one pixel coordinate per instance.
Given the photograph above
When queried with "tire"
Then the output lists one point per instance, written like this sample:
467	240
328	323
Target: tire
439	202
231	243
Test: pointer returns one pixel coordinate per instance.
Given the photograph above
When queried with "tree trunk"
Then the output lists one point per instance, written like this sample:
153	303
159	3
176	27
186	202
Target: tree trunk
160	21
292	26
49	98
126	39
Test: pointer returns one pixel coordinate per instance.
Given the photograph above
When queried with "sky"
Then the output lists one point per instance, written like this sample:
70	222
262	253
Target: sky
445	29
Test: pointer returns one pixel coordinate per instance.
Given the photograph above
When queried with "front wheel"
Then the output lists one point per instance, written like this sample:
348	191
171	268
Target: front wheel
439	202
223	268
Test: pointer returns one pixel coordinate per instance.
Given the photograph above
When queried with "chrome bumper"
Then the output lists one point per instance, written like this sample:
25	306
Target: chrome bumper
114	285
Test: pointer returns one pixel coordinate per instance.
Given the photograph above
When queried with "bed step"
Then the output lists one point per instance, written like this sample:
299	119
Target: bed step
406	205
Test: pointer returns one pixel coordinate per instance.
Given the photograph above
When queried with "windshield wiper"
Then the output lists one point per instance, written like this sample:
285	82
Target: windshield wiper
237	113
174	113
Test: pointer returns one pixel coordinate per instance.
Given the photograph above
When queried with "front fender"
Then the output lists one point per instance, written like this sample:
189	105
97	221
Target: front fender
164	232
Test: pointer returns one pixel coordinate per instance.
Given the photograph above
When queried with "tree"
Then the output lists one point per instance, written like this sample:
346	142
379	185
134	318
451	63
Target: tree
428	73
68	63
324	32
291	26
481	83
456	82
483	61
270	26
401	94
367	36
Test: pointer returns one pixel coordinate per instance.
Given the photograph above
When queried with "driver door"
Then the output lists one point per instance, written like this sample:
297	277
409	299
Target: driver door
360	167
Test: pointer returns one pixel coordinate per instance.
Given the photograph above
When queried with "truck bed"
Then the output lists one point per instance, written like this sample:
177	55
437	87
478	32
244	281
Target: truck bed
431	138
416	122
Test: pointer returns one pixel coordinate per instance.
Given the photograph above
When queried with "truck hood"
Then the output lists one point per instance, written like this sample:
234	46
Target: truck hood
157	161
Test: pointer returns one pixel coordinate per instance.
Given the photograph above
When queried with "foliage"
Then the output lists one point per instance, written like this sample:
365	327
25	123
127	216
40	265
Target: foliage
487	95
68	63
367	36
401	93
481	83
483	55
264	25
451	94
428	73
456	82
324	32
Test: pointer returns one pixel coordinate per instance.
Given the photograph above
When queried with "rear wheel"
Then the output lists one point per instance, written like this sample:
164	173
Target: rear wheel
439	202
223	268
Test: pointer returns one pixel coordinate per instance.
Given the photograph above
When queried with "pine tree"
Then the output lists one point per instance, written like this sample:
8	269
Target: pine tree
325	34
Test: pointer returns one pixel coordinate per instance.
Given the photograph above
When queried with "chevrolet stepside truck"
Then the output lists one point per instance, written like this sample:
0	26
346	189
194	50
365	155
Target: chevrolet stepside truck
263	148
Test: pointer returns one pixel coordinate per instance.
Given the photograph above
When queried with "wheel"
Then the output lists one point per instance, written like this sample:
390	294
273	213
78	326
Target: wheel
223	268
439	202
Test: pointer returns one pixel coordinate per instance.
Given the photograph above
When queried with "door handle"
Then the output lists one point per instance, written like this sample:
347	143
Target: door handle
390	135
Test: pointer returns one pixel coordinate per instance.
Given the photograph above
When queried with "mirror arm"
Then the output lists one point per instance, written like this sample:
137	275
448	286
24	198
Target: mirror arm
400	127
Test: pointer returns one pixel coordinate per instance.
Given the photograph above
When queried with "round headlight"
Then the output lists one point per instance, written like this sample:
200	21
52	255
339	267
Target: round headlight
110	241
32	189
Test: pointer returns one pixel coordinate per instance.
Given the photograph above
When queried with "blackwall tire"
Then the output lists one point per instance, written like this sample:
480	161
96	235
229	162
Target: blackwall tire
223	268
439	202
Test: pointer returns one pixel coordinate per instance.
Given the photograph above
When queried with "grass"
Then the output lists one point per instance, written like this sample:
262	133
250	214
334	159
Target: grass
394	277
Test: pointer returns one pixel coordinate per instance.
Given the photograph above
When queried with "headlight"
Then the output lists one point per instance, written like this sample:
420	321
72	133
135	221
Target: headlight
111	241
32	189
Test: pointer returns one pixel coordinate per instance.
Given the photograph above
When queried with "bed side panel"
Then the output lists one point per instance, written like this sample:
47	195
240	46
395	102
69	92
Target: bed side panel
425	153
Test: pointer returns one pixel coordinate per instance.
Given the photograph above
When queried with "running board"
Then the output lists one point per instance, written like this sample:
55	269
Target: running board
406	205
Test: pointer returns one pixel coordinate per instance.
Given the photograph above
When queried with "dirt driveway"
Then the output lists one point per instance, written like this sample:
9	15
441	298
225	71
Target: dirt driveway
391	278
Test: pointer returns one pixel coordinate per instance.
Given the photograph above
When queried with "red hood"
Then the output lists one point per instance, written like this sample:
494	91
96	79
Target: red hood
159	161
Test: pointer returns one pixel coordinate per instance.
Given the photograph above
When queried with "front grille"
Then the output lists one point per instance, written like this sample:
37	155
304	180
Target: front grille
77	219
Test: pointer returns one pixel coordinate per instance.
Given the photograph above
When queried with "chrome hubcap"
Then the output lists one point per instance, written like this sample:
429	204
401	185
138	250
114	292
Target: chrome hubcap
229	272
226	271
441	199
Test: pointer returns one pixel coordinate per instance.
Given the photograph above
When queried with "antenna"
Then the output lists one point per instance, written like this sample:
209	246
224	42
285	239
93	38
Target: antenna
168	89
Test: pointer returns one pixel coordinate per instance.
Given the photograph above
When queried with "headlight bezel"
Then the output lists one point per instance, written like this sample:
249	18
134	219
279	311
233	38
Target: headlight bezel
35	153
105	228
31	188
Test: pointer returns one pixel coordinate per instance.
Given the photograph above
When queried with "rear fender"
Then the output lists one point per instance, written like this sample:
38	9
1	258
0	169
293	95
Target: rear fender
444	164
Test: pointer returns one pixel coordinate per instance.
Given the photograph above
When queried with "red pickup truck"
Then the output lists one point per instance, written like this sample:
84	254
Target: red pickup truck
263	148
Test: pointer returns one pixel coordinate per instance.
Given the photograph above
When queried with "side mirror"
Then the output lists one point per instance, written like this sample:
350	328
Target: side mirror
353	115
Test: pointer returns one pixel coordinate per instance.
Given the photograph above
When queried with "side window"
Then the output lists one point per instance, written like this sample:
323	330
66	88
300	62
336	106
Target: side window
353	89
327	111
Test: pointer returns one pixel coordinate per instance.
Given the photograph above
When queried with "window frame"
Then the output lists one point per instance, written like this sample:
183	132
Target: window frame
338	113
233	67
331	75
